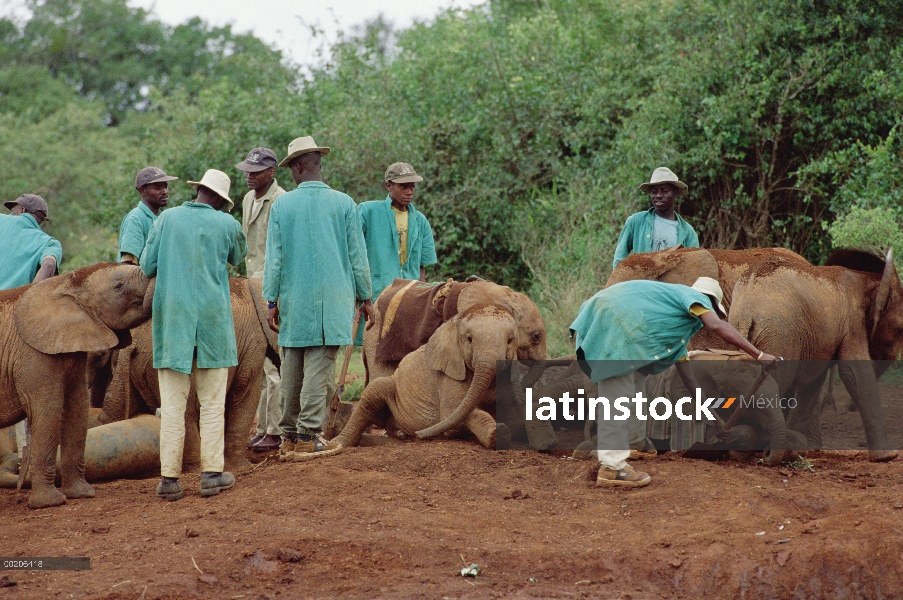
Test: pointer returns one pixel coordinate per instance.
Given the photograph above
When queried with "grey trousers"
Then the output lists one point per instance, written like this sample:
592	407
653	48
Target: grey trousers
308	383
269	409
615	437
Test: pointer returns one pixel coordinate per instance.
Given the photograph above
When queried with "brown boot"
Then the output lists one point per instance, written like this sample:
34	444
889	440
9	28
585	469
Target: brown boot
625	477
314	447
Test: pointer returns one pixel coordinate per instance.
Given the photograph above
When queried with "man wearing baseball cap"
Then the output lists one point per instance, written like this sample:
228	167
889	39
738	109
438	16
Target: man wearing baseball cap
316	266
187	250
644	327
399	238
27	254
659	227
259	168
152	184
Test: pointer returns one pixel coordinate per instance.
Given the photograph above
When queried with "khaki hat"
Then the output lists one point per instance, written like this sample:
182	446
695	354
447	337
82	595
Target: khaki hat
258	159
664	175
710	287
31	203
302	145
151	175
402	173
218	183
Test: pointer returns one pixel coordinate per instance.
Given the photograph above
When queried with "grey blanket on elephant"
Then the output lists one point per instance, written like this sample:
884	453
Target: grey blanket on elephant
411	312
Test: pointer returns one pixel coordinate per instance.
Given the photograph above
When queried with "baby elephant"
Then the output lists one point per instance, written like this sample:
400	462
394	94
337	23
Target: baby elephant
440	386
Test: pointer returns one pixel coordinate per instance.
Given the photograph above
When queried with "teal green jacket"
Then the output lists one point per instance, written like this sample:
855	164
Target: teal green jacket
637	235
381	237
316	265
636	324
187	250
23	246
134	230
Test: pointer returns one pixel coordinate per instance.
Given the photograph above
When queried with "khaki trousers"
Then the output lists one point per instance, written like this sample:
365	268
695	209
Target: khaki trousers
174	388
615	437
269	409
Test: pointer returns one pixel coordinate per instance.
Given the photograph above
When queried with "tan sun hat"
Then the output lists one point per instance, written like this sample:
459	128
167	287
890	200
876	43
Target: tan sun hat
302	145
664	175
218	183
710	287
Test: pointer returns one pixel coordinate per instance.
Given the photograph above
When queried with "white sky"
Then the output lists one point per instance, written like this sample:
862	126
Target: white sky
286	23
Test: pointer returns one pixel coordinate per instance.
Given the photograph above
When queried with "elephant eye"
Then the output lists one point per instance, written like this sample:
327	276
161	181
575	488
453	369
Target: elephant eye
119	286
535	337
469	339
510	339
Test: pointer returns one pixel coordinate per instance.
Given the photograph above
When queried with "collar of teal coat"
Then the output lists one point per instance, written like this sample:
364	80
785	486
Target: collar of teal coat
32	222
682	226
147	210
412	224
309	184
190	204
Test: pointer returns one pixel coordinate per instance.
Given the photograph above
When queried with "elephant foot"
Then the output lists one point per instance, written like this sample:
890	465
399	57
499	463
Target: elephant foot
882	455
773	457
45	497
79	489
500	438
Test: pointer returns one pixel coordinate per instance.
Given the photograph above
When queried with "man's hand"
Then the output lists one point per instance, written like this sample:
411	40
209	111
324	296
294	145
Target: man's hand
721	429
769	362
273	318
367	307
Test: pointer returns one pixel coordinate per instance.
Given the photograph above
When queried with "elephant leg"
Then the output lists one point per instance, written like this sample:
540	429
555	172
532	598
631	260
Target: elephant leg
242	398
72	440
44	407
806	417
483	426
858	377
374	399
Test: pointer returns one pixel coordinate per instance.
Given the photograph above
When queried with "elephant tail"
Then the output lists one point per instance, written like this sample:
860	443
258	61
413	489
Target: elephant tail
482	378
255	286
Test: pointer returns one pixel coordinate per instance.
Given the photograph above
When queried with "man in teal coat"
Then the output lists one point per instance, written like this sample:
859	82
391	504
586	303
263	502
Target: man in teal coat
659	227
27	254
153	187
644	327
316	266
187	250
399	238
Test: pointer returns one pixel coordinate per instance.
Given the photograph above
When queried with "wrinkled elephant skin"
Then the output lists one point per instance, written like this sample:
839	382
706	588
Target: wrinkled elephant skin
46	331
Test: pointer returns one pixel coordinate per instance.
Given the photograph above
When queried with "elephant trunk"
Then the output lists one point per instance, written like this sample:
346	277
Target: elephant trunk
149	294
484	373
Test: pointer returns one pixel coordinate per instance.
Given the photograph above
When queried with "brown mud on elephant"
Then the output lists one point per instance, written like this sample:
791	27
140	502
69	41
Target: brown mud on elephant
134	387
685	265
447	384
46	329
849	311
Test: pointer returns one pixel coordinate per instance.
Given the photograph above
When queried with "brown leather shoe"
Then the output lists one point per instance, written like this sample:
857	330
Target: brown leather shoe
625	477
267	443
254	440
314	447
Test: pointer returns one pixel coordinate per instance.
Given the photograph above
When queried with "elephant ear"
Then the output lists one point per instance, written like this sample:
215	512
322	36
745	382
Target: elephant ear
50	319
443	352
889	281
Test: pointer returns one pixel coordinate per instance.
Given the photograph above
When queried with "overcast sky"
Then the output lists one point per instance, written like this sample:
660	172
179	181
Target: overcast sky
286	23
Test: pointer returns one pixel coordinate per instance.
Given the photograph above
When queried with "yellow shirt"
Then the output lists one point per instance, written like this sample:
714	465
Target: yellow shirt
401	224
697	310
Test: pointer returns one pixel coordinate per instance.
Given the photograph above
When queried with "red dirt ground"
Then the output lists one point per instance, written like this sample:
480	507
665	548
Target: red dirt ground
400	521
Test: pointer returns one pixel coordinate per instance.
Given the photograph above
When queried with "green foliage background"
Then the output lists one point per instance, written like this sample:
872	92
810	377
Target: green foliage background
532	122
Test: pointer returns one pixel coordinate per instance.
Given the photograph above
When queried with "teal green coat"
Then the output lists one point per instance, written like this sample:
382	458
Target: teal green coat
316	265
634	324
23	247
187	250
637	235
134	230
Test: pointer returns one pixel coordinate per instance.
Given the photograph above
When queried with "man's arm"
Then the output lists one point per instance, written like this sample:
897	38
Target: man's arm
272	265
151	252
729	334
625	243
239	245
48	269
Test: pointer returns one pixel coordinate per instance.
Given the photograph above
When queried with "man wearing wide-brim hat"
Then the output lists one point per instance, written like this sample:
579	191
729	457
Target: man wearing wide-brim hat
152	184
659	227
27	254
316	267
636	328
398	236
187	250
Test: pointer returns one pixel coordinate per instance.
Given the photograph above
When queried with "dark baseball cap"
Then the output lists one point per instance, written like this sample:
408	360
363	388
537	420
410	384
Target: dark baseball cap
151	175
402	173
31	203
258	159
